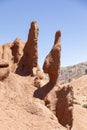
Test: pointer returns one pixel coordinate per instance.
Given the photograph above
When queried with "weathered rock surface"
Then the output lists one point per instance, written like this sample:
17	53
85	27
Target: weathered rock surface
80	118
64	108
19	110
12	53
4	69
29	61
60	102
31	47
80	99
17	50
52	61
53	107
3	64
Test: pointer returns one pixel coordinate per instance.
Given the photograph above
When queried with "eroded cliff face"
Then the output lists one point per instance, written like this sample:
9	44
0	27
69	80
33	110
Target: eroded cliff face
31	86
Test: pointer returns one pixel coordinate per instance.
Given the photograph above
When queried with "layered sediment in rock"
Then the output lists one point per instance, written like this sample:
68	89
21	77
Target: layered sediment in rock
52	61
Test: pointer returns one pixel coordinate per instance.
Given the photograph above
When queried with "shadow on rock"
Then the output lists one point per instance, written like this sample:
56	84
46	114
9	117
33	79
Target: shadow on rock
64	108
23	68
42	92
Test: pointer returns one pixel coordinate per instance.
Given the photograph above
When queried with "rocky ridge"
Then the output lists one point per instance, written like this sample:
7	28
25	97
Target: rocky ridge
70	73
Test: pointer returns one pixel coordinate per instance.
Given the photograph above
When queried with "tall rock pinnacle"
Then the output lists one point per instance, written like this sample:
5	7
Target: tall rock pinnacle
29	60
31	46
52	61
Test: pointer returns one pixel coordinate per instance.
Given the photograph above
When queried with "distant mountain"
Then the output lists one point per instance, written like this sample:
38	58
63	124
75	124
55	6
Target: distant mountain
69	73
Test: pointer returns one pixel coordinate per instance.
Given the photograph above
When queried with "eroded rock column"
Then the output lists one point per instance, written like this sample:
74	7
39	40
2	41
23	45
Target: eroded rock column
52	61
31	47
64	107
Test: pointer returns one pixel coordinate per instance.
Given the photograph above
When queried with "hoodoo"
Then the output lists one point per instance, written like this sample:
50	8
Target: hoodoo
52	61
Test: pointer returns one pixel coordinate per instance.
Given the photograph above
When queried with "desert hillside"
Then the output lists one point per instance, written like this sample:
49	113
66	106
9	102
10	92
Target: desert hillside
80	103
69	73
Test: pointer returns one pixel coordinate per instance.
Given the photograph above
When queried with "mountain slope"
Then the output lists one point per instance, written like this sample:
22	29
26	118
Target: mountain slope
80	99
69	73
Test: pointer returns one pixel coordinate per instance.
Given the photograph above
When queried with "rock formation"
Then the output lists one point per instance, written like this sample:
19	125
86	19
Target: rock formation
64	107
52	61
19	110
4	70
17	50
6	53
12	53
31	47
18	91
29	61
60	101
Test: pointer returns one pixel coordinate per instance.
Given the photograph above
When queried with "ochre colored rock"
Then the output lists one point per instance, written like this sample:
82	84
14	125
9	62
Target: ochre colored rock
29	61
52	61
40	74
11	53
31	47
19	110
17	50
4	70
6	53
20	107
4	64
60	101
64	108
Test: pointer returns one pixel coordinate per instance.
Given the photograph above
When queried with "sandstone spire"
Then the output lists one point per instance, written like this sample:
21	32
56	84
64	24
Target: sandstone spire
29	60
31	46
52	61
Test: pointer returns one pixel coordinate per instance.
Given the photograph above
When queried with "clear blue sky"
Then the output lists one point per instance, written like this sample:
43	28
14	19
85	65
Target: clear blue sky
70	16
